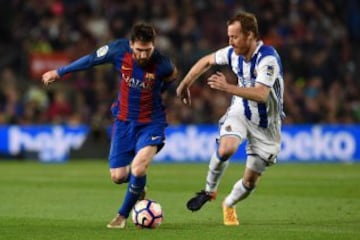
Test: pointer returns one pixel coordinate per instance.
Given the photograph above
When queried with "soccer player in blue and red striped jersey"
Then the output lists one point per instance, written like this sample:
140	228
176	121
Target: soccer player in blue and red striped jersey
140	120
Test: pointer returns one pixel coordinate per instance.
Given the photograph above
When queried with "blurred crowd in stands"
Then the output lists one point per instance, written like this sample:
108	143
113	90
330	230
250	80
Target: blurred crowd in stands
318	40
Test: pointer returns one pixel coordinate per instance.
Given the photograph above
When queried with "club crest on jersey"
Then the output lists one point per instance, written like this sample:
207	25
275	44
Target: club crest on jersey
102	51
228	128
149	76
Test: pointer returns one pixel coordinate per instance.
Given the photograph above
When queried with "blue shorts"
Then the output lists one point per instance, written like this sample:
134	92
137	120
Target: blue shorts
129	137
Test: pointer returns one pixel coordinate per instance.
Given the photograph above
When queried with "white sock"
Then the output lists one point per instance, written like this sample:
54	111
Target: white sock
215	172
238	193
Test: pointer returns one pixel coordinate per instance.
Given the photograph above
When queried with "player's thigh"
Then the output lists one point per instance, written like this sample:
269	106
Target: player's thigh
232	124
151	135
232	133
263	142
122	149
228	145
150	139
255	166
142	160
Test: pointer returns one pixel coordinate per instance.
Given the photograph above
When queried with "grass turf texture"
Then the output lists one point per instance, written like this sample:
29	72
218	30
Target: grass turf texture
75	201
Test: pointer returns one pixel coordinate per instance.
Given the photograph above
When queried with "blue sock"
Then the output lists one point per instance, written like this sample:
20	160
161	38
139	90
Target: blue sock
135	188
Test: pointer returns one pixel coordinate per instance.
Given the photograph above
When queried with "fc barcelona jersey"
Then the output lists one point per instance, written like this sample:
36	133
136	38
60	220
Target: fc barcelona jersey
139	94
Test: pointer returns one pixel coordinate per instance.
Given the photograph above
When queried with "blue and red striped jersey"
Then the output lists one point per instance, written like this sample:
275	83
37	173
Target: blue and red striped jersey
139	95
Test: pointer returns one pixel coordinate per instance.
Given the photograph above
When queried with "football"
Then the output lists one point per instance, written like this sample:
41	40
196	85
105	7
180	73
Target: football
147	214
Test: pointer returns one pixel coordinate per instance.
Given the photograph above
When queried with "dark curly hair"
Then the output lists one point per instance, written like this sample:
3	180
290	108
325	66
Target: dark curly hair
142	32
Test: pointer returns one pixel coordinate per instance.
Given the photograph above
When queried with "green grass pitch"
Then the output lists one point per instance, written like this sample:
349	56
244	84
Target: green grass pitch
75	200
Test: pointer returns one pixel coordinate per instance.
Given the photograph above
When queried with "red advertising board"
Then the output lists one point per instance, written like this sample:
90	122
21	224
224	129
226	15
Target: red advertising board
42	62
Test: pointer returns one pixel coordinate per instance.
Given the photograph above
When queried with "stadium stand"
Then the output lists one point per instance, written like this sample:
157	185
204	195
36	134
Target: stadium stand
318	42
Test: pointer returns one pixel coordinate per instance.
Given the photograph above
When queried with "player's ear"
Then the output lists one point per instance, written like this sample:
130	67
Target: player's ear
131	44
251	35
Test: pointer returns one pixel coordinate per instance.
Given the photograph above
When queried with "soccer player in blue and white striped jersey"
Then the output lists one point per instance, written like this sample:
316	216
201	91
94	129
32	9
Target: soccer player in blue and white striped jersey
255	112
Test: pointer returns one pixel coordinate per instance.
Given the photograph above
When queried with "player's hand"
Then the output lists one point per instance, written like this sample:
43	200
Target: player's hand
50	77
218	81
184	94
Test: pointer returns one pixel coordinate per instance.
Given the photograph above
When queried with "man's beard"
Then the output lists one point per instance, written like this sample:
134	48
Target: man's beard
142	62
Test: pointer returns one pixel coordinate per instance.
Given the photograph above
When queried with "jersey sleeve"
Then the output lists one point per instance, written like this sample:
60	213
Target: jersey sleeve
222	55
169	67
102	55
268	70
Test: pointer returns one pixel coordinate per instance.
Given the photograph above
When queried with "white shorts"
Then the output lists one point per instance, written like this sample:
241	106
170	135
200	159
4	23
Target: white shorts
263	142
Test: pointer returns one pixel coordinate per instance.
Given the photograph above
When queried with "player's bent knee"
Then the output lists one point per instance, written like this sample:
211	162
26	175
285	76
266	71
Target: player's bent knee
119	179
224	156
226	152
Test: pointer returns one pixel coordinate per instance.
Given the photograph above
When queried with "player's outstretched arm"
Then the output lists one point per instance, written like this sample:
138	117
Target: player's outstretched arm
50	77
195	72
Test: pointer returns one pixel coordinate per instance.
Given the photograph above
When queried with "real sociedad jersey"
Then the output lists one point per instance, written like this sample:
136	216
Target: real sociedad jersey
264	67
139	96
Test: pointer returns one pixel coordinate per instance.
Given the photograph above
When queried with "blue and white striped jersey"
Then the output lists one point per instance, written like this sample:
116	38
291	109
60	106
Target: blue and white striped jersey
264	67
